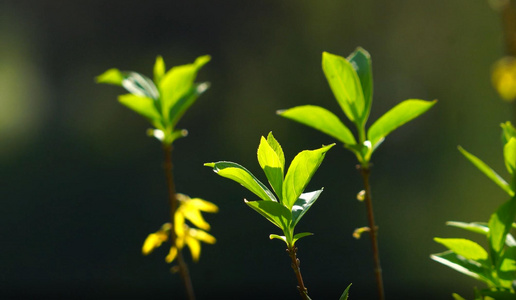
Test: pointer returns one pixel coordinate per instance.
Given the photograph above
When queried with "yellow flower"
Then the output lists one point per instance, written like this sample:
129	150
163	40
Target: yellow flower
154	240
191	209
192	238
504	78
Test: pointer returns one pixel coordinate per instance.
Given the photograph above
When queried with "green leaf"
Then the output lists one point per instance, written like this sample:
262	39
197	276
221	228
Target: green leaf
321	119
508	132
476	227
276	213
506	294
300	235
500	224
507	270
277	148
142	105
464	266
345	84
271	165
159	69
509	153
140	85
300	172
465	248
111	76
360	59
177	82
457	297
345	294
394	118
241	175
278	237
302	205
490	173
180	107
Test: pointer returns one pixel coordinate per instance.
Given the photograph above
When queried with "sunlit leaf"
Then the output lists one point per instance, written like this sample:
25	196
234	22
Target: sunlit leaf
465	248
140	85
507	268
500	224
300	235
360	59
159	69
394	118
345	294
490	173
111	76
457	297
476	227
181	105
508	132
277	148
300	172
302	205
276	213
241	175
177	82
345	84
271	165
464	266
278	237
140	104
321	119
509	153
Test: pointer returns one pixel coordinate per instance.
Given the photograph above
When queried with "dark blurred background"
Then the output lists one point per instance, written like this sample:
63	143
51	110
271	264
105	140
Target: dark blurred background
81	185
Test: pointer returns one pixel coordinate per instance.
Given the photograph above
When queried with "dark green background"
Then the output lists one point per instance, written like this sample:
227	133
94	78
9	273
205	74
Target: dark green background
81	185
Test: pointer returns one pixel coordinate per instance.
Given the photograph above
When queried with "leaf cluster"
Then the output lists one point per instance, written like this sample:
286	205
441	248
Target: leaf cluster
288	204
351	82
497	266
163	100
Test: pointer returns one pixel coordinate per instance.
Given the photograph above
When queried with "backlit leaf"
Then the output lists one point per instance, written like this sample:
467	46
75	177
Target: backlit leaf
500	224
321	119
180	106
302	205
111	76
394	118
277	148
140	85
140	104
271	165
300	172
276	213
241	175
465	248
159	69
464	266
509	153
361	62
508	132
345	84
345	294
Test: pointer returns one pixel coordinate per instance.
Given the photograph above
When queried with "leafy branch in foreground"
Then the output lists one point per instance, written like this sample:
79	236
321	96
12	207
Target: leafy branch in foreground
497	266
163	101
289	204
351	81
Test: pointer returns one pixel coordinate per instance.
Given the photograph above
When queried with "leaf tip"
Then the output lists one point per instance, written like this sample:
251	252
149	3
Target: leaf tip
211	164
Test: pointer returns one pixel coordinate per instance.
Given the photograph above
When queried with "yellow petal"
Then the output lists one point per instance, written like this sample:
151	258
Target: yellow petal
171	255
504	78
194	216
195	247
153	241
179	223
203	205
202	236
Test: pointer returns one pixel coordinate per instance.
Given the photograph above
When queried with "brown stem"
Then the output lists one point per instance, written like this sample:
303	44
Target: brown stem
508	14
303	291
366	172
183	267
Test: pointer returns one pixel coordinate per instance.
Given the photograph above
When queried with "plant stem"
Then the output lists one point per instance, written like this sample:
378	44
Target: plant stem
183	268
366	172
303	291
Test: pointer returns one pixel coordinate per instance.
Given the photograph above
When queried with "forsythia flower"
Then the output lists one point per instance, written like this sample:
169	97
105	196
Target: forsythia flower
188	209
504	78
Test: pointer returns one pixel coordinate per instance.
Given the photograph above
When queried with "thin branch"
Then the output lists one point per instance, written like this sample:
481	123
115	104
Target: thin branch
183	267
303	291
365	171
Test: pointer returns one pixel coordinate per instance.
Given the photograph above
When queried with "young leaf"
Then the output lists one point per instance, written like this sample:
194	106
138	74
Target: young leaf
159	69
177	82
300	235
509	153
241	175
300	172
321	119
345	84
464	266
507	268
490	173
180	106
476	227
277	148
361	62
508	132
271	165
278	237
302	205
465	248
457	297
140	85
278	214
500	224
345	294
111	76
397	116
140	104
